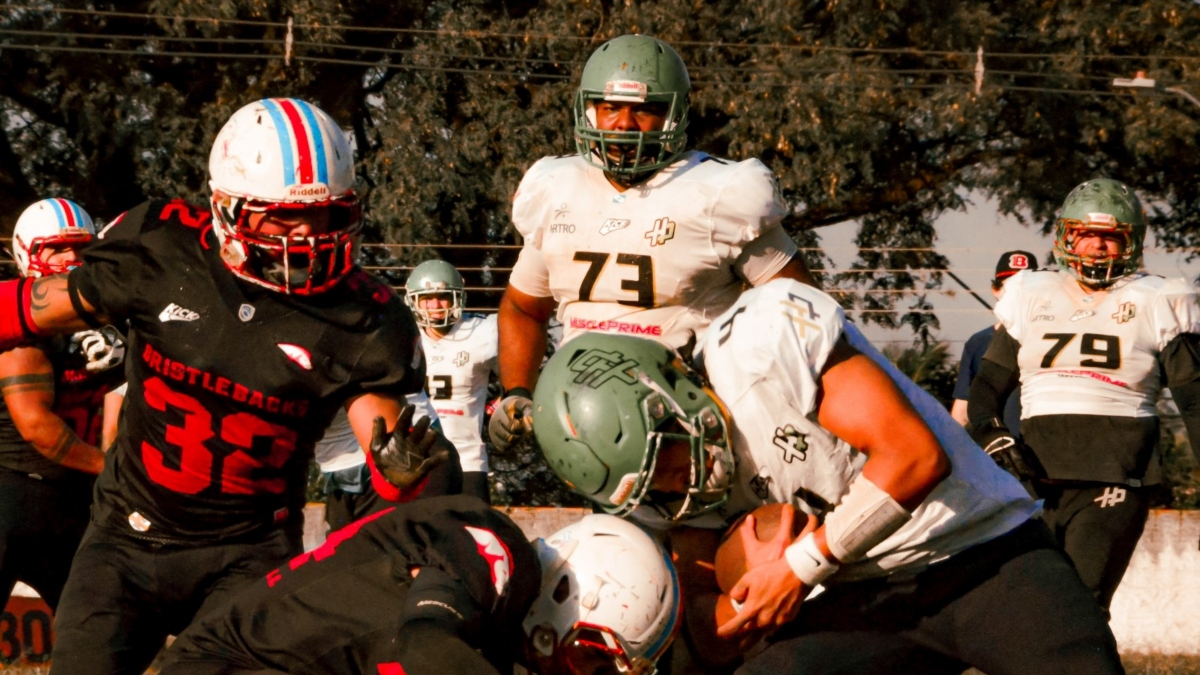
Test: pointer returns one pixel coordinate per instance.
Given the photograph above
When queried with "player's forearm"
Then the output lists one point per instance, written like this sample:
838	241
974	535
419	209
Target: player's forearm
523	345
54	440
989	391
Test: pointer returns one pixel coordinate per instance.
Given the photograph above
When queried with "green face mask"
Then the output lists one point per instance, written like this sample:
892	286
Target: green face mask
632	69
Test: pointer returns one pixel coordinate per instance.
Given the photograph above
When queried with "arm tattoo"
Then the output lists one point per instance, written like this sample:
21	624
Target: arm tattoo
62	444
20	384
39	295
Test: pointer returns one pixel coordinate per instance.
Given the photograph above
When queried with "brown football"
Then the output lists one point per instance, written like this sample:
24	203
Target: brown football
730	562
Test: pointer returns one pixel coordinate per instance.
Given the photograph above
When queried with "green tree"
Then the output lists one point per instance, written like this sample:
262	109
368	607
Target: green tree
867	110
927	366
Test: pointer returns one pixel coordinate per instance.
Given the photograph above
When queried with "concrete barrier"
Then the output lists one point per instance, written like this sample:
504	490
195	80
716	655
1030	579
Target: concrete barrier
1157	607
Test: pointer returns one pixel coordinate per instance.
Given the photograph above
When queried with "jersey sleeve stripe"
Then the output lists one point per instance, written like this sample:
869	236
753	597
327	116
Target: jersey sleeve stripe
318	140
285	142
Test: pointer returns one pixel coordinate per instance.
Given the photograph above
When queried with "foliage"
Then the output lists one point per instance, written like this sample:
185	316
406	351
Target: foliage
866	110
929	367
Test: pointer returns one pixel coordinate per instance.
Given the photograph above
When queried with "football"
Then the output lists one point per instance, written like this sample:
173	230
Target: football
730	561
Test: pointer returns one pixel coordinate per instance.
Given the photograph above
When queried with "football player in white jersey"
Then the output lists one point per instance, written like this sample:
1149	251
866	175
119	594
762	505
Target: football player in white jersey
1092	345
635	234
460	356
931	557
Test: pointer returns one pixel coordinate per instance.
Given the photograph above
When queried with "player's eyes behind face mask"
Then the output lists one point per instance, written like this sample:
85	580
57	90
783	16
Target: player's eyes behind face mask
299	248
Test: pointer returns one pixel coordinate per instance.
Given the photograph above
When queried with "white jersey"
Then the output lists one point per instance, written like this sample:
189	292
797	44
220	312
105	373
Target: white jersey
457	367
338	449
764	358
658	260
1093	354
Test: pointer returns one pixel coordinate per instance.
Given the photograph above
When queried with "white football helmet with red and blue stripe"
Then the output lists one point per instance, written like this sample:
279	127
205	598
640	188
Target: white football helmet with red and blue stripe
610	600
278	155
50	223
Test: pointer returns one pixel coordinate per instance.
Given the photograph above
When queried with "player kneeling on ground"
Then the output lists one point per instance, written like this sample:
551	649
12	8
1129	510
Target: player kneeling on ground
52	394
448	585
925	546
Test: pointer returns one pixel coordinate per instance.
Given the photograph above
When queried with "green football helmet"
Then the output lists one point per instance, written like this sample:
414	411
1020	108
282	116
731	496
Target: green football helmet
604	407
429	278
632	69
1105	206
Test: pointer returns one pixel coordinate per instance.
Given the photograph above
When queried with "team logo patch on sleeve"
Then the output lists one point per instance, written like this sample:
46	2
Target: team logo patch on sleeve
297	354
496	554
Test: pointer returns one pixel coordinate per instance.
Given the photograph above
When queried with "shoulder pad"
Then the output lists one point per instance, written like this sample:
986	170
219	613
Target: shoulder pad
360	281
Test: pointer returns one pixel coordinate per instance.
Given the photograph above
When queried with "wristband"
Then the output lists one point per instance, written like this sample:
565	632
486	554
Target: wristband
865	517
519	391
808	563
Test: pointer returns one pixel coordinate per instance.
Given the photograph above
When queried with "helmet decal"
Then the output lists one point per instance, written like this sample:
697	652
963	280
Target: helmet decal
68	212
596	366
302	142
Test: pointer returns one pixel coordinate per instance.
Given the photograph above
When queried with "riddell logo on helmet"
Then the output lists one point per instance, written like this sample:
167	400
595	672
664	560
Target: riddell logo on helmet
308	191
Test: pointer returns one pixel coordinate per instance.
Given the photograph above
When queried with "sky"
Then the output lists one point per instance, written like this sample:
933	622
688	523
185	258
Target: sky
973	241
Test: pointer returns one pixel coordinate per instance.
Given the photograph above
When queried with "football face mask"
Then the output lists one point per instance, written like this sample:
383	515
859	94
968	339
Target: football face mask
294	264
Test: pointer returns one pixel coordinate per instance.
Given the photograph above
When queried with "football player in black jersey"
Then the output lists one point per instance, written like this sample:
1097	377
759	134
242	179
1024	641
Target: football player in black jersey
49	416
448	585
249	326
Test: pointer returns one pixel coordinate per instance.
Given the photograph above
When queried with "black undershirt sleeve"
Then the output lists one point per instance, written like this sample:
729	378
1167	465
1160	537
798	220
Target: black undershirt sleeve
998	376
1181	366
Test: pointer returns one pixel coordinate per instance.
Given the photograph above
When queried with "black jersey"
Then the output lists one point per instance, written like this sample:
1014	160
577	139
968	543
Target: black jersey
230	385
341	607
78	401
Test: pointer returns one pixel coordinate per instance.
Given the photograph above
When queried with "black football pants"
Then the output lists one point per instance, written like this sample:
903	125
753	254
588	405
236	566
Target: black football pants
125	595
1099	527
1010	606
41	523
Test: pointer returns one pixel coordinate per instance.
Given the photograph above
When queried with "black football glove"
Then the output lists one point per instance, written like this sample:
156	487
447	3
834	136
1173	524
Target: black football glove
405	457
1009	453
511	420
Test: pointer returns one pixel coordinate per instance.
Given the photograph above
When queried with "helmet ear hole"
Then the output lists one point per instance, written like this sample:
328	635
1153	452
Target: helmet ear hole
562	590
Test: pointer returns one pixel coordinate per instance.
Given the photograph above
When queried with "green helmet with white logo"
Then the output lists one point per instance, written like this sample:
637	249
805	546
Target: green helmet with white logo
433	277
604	407
633	69
1104	206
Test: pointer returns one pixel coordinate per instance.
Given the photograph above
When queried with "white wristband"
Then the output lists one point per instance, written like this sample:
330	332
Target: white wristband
808	563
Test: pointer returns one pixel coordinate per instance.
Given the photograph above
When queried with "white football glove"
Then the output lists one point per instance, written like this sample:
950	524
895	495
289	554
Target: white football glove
103	348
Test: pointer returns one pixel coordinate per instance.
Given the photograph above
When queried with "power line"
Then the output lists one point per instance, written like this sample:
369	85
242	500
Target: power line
476	34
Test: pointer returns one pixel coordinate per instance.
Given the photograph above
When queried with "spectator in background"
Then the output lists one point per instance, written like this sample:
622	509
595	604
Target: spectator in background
49	416
1009	264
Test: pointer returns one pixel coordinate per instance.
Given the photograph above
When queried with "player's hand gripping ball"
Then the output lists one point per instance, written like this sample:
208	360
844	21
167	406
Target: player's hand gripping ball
738	552
409	453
